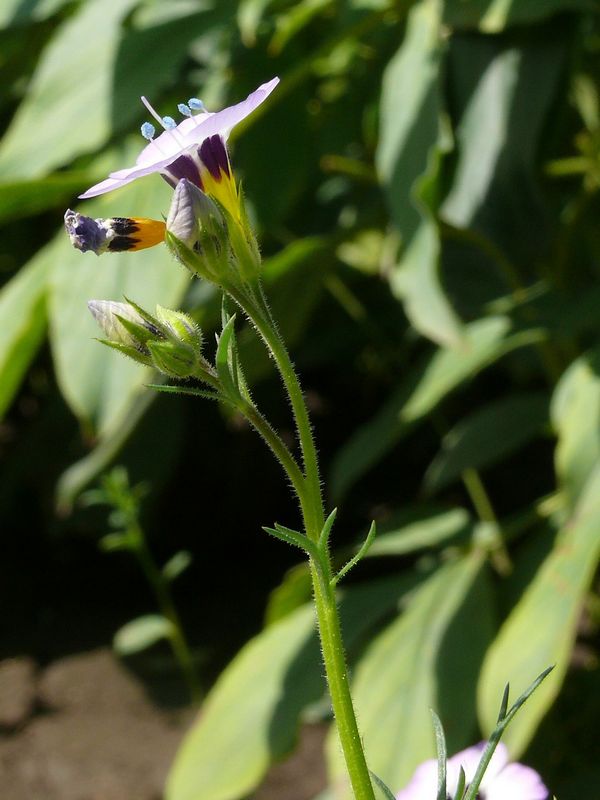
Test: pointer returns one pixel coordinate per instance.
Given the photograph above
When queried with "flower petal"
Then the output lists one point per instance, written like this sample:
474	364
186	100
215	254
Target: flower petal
469	759
423	784
171	144
516	782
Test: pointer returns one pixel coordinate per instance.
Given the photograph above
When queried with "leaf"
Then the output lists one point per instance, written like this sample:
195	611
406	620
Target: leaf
421	533
294	20
434	378
493	16
141	633
22	326
294	591
28	197
486	436
67	109
249	16
177	564
426	658
99	385
408	162
541	629
503	95
16	12
251	715
575	413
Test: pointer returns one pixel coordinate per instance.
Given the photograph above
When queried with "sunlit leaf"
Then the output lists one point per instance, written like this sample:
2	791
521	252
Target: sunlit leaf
541	629
141	633
425	531
493	16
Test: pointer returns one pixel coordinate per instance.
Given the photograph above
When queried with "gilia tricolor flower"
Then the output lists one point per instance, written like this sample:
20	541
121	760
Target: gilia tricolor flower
502	780
112	235
194	149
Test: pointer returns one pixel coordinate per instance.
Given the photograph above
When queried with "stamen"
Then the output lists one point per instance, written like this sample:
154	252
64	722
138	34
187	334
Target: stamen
152	111
184	109
196	104
164	122
169	123
148	130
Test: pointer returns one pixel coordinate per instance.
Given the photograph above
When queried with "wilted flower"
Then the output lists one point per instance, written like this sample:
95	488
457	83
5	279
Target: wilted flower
193	149
114	234
502	780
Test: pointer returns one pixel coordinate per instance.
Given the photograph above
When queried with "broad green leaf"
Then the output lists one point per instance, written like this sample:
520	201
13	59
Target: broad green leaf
426	658
575	415
251	715
141	633
493	16
426	531
408	161
16	12
485	341
29	197
294	591
67	110
488	435
22	325
98	384
502	95
541	629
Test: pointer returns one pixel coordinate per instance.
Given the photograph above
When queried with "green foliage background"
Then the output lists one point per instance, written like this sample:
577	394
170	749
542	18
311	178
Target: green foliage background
425	184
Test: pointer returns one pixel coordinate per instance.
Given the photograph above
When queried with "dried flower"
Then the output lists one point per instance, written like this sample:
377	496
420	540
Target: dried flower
502	780
114	234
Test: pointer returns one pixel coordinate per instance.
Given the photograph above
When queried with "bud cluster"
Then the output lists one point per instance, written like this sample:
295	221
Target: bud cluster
171	341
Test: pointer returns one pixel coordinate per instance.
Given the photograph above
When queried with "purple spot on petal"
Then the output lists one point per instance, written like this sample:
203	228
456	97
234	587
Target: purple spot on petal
183	167
213	155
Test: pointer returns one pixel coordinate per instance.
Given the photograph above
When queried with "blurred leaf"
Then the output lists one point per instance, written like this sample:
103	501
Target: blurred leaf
98	384
408	162
575	413
249	17
487	435
22	325
248	723
295	19
17	12
141	633
485	341
67	109
114	542
294	591
541	629
177	564
502	96
492	16
426	658
29	197
421	533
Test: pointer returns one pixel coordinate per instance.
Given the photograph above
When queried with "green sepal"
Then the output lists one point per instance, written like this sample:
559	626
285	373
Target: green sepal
126	350
173	358
387	792
326	532
442	755
138	333
194	262
180	326
361	553
228	376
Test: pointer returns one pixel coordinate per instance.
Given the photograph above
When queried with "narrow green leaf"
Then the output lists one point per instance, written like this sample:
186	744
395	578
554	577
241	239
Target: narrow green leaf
385	790
359	555
541	628
425	531
224	358
141	633
442	755
487	435
327	528
177	564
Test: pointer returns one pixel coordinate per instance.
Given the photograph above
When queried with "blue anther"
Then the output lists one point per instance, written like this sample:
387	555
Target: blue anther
185	110
169	123
196	104
148	130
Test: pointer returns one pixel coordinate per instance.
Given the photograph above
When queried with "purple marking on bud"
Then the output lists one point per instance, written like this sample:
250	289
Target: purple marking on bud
183	167
213	155
85	233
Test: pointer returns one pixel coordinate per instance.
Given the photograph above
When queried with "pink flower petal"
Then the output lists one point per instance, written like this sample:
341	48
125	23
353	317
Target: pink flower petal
423	784
469	759
516	782
191	132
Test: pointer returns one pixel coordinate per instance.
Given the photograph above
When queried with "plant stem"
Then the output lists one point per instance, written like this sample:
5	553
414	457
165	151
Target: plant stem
311	502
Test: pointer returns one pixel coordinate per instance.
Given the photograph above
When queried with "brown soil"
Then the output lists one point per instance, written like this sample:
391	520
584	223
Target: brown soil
84	729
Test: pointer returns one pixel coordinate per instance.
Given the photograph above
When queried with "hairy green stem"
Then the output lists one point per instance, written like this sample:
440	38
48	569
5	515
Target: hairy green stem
311	502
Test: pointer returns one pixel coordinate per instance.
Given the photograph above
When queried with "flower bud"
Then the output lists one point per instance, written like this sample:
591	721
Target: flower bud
181	326
191	208
124	325
173	358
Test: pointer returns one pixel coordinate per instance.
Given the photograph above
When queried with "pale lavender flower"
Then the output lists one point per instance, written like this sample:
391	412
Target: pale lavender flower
502	780
176	152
